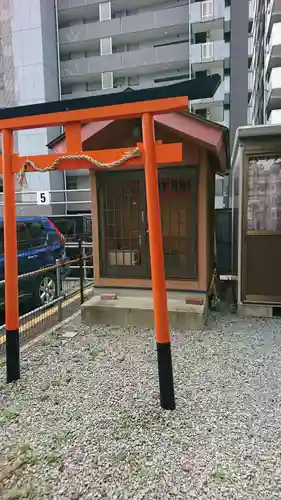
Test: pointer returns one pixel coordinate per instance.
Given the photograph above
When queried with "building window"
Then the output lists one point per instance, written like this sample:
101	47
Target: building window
206	9
105	11
105	46
132	46
71	182
171	78
219	186
200	37
203	112
201	74
119	82
227	36
93	86
207	50
133	81
177	42
107	80
264	181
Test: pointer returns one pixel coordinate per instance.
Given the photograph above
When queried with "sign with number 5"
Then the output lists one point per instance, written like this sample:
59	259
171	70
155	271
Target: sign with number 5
43	198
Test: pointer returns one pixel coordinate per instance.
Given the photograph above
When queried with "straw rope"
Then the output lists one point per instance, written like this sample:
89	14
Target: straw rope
117	163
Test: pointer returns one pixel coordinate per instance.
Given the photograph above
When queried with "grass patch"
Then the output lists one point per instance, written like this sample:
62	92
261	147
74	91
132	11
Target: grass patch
52	458
28	455
93	352
16	493
220	475
9	415
63	437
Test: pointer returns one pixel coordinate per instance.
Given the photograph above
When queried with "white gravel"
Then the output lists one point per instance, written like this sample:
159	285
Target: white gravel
84	421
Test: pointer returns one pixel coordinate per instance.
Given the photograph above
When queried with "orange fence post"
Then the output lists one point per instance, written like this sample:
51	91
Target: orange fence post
165	370
10	261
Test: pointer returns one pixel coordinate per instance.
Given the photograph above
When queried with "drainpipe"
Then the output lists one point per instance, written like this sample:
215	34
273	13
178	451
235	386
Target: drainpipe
58	46
60	94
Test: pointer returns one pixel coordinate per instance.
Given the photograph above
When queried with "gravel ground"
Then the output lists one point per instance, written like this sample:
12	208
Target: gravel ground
84	421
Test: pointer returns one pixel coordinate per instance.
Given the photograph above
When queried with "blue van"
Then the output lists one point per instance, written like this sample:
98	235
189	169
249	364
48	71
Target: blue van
40	243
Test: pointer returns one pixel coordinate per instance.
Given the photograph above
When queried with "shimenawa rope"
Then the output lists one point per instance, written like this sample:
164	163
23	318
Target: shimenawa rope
117	163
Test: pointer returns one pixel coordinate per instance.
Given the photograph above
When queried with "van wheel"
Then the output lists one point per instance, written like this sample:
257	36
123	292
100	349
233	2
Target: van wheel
46	289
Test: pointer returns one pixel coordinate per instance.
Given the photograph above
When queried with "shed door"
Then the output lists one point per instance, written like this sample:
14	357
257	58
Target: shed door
262	266
178	202
123	228
124	236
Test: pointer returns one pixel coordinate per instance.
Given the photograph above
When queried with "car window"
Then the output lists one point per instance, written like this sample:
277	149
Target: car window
37	233
23	237
66	227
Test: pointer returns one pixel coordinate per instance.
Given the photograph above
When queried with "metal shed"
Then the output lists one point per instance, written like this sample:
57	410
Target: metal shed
256	218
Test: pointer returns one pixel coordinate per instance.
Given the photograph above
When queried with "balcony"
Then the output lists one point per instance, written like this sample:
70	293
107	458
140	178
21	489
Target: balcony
71	10
274	117
209	12
250	81
215	111
137	62
274	89
272	15
209	52
141	27
250	46
251	9
273	50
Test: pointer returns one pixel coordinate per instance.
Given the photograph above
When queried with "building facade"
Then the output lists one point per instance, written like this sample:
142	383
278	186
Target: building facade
61	49
266	62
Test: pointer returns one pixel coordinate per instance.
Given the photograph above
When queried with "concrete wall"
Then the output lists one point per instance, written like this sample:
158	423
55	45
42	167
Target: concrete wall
34	52
239	65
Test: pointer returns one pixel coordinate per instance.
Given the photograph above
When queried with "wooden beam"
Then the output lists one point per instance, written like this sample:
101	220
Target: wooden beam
165	154
118	111
73	137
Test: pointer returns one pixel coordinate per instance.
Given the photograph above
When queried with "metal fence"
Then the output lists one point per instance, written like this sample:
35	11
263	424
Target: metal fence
62	201
71	284
73	251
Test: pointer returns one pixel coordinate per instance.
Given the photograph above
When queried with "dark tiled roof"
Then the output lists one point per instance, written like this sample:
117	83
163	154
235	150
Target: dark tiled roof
198	88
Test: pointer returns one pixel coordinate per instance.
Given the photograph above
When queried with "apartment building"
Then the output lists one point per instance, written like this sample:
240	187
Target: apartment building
61	49
266	62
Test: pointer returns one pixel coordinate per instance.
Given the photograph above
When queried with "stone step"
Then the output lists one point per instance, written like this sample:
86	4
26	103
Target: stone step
125	311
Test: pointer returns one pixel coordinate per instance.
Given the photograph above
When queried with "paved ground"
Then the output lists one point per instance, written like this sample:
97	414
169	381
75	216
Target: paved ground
84	421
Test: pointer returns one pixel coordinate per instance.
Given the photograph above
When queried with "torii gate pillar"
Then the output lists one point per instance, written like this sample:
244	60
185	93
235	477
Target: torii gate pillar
167	398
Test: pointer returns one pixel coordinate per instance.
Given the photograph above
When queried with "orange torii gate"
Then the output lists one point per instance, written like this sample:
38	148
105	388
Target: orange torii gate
72	114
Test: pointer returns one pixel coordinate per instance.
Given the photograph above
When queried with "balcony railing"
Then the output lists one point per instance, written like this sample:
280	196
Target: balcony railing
124	62
82	36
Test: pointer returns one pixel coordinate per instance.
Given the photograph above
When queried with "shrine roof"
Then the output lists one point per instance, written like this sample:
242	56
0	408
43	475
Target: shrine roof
199	88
